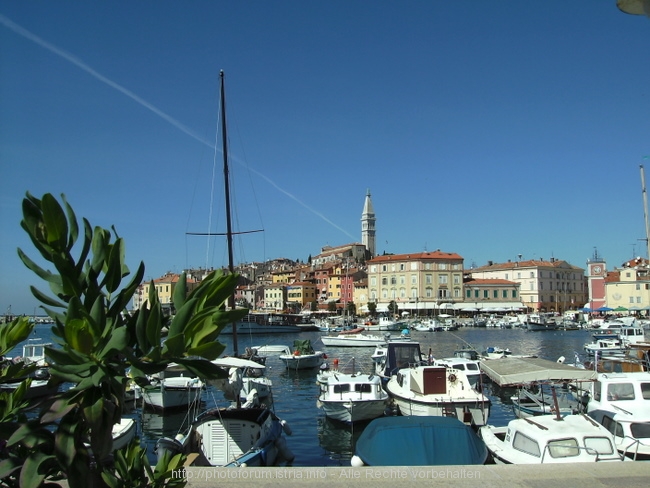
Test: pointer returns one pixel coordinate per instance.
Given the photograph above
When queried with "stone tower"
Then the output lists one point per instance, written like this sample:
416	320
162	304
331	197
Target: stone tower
368	238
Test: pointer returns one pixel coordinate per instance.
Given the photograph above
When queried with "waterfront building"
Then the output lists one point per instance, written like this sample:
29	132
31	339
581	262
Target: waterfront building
368	232
275	297
300	294
417	281
545	286
491	295
629	286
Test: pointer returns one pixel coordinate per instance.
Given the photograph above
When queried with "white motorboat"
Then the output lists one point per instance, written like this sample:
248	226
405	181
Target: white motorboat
169	393
430	325
352	397
438	391
621	403
549	439
358	339
537	322
471	367
495	352
631	335
386	324
607	346
353	340
303	356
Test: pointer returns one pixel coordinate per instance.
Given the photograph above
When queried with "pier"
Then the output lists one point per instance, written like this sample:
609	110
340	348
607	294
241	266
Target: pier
591	475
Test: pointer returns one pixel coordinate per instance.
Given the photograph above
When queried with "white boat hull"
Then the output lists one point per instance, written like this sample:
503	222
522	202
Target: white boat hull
172	393
350	411
304	361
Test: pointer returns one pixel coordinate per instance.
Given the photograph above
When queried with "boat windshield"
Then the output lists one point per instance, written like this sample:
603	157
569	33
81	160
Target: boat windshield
602	445
561	448
645	391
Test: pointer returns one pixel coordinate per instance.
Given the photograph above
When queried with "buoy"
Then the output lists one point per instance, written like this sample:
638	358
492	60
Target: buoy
356	462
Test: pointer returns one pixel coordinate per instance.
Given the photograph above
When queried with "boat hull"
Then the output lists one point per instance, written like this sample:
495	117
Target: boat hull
304	361
349	411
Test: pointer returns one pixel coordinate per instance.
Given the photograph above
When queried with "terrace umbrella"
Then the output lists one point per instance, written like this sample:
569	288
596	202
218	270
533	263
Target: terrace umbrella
604	309
620	309
585	309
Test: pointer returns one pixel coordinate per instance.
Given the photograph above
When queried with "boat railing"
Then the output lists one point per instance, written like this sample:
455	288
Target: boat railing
628	449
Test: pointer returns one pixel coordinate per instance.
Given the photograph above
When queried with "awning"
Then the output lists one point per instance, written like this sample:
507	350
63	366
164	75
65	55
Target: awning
489	306
520	371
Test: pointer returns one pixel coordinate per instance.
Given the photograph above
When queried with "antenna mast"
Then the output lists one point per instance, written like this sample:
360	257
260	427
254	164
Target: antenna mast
645	211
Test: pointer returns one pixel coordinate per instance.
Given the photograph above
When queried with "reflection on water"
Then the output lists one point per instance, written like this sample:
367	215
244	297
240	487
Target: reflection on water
338	439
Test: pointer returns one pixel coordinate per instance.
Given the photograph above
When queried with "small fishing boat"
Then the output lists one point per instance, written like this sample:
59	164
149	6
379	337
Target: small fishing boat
303	356
418	441
550	439
438	391
353	340
232	437
352	397
170	393
605	346
621	403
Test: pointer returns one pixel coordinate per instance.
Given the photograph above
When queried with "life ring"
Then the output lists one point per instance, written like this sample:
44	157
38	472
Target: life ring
452	378
296	353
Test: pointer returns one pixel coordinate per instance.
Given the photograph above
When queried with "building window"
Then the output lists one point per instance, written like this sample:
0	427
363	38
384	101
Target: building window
428	280
456	292
373	269
468	293
402	293
393	280
384	281
373	281
476	293
505	294
428	293
442	279
495	294
414	279
402	280
401	267
384	268
414	293
456	279
414	266
514	293
442	266
532	274
506	276
485	294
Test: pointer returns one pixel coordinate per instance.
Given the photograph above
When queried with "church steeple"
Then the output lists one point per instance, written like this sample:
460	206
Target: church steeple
368	238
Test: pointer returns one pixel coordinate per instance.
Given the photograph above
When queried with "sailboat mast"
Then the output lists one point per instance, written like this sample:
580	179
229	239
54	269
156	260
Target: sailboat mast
226	180
645	211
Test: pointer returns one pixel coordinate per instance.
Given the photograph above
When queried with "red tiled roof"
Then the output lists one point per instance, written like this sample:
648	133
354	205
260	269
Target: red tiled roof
438	254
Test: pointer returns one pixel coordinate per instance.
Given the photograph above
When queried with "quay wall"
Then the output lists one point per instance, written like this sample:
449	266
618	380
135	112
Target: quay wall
575	475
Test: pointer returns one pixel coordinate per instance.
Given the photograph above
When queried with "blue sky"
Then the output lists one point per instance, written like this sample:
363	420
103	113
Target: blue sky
489	129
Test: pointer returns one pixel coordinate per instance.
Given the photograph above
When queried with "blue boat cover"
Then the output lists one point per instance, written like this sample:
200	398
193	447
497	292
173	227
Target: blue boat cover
420	441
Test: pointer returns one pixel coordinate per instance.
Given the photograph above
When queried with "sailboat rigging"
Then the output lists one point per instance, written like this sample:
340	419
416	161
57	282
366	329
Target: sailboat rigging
229	232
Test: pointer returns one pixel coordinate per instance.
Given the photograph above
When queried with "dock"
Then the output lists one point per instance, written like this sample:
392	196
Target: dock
511	371
575	475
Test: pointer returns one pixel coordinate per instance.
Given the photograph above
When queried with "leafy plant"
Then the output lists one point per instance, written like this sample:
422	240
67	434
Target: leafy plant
99	345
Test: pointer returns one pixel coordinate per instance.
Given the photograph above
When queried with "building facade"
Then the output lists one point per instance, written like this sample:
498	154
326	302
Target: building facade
416	281
544	286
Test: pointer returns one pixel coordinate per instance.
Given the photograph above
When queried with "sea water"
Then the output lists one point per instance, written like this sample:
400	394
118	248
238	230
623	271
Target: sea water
318	441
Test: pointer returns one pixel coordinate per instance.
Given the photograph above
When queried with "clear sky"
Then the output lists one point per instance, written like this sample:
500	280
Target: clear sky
485	128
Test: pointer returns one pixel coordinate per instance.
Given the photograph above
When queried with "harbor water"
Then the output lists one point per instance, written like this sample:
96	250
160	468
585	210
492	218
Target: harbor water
317	441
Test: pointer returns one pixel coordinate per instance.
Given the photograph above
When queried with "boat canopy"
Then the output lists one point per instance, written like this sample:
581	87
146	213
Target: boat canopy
520	371
419	441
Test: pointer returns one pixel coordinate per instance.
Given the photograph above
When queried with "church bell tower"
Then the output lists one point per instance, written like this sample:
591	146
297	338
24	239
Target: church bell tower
368	238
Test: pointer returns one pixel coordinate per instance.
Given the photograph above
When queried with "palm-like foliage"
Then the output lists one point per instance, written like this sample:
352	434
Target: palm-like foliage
99	345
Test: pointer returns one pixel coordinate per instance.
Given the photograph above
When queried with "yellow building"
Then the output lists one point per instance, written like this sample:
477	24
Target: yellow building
629	286
416	281
300	295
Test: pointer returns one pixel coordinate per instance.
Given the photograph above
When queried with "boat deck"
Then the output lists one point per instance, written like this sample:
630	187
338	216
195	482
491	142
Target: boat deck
518	371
